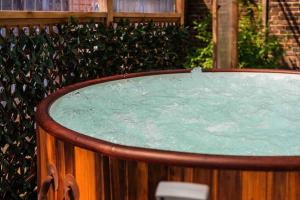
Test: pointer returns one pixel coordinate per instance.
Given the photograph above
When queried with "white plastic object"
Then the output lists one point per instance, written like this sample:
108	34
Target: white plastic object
168	190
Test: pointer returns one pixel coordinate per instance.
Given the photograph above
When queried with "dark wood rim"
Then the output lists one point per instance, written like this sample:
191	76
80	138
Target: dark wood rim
160	156
280	71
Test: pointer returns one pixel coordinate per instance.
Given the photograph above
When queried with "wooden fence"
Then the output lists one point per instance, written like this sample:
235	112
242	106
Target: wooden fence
10	19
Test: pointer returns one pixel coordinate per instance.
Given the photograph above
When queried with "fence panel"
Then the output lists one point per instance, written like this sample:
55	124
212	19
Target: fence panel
24	13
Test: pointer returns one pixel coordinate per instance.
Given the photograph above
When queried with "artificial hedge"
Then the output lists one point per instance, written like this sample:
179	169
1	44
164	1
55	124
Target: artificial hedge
35	64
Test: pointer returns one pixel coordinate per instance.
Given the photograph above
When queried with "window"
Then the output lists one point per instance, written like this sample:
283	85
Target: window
52	5
144	6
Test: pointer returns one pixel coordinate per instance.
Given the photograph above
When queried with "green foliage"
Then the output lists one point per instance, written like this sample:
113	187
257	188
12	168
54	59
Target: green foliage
202	56
36	64
256	48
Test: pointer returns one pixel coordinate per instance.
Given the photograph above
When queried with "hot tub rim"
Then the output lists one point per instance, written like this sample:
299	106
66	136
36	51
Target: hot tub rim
243	162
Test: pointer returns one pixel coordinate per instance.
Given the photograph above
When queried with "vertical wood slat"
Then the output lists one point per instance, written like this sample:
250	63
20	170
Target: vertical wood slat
254	185
202	176
102	173
215	184
117	178
188	174
110	12
69	158
42	156
137	180
180	8
157	173
51	159
229	185
105	179
293	185
175	173
60	165
284	185
85	173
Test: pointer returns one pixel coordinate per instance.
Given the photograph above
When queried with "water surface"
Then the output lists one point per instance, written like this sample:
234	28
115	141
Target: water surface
211	113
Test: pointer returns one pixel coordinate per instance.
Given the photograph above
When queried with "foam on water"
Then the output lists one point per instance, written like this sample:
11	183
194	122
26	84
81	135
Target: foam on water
211	113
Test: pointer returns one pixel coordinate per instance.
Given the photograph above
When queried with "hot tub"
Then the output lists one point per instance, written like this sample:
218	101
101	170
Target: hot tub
237	131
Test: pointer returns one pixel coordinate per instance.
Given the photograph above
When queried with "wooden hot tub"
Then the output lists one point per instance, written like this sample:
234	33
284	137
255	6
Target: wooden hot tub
73	164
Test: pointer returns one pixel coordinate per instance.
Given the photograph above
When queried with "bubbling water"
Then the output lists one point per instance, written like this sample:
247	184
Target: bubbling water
211	113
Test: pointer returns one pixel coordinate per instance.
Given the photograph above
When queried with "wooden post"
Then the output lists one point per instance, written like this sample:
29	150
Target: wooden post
225	28
180	6
215	31
110	12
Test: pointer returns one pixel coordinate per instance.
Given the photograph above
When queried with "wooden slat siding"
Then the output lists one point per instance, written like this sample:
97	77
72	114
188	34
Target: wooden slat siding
105	178
188	174
117	178
143	175
137	180
128	181
269	185
294	185
99	180
95	174
215	183
60	165
85	173
69	158
229	185
51	159
39	157
199	175
280	190
156	174
131	179
254	185
203	176
175	173
42	156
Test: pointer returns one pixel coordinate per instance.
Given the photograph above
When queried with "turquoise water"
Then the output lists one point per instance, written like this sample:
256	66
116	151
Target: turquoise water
211	113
